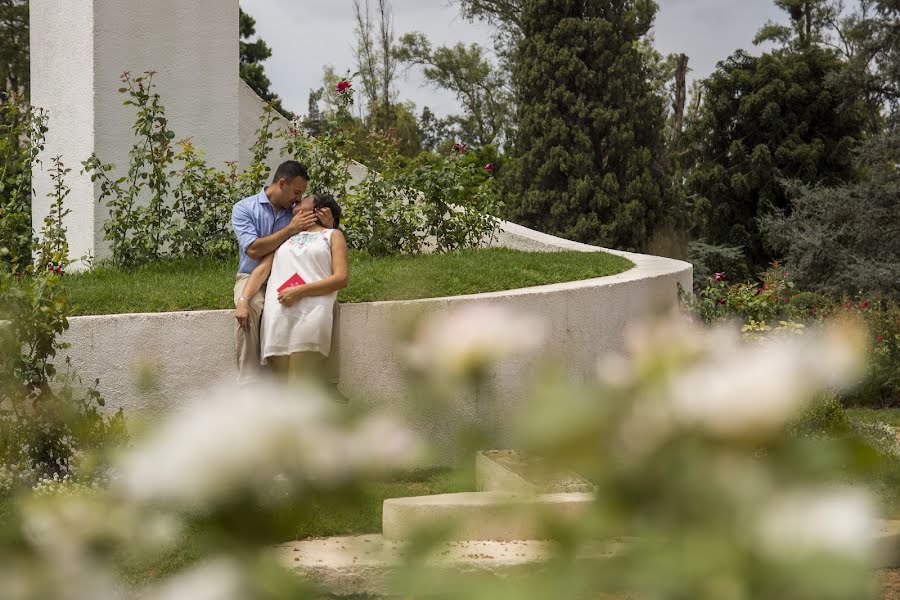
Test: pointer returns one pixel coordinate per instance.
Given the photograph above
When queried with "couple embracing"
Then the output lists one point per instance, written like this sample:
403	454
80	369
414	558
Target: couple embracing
293	261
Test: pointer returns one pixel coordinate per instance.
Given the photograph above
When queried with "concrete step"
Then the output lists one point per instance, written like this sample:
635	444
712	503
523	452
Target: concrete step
498	516
494	471
367	564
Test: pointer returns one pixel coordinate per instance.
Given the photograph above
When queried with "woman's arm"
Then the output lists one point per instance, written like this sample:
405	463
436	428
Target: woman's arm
340	267
257	278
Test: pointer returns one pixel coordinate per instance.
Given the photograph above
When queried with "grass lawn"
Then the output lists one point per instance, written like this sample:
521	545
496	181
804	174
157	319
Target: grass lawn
204	284
358	515
891	416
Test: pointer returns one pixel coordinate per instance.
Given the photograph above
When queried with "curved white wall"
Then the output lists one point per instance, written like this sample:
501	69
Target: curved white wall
187	351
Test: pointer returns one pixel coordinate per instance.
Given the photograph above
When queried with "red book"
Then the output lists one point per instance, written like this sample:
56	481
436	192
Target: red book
293	281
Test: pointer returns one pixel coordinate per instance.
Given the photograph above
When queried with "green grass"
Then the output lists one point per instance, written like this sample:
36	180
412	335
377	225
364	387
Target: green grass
356	515
201	284
891	416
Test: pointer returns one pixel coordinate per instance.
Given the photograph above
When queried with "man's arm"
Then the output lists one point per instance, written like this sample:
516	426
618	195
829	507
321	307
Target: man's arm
263	246
254	283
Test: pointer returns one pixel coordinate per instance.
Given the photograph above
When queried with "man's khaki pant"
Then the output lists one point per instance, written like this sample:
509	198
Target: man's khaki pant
246	343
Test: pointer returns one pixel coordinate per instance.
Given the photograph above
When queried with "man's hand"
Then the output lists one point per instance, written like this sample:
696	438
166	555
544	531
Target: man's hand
291	296
302	221
242	314
325	217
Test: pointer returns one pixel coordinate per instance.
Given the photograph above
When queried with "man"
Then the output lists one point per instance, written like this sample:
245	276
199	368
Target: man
262	223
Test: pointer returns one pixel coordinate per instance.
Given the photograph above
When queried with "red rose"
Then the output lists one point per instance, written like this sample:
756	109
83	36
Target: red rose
344	86
866	304
721	300
719	276
490	167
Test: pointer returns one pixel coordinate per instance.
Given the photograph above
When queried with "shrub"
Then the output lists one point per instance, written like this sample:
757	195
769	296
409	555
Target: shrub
22	131
440	201
772	305
47	418
140	212
445	200
846	238
709	259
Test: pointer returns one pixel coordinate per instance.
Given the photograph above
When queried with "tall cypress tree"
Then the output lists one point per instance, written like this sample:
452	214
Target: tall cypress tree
590	127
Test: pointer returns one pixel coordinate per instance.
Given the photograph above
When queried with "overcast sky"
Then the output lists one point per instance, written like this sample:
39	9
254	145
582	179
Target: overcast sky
305	35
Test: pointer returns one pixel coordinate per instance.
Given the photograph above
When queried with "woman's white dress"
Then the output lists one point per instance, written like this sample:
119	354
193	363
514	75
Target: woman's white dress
306	325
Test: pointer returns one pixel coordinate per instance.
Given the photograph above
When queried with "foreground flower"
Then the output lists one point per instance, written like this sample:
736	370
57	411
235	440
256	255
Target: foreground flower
808	522
490	167
343	86
472	338
718	276
745	390
244	438
216	580
711	382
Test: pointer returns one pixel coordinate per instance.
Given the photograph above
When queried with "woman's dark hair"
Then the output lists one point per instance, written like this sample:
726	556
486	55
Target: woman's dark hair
329	202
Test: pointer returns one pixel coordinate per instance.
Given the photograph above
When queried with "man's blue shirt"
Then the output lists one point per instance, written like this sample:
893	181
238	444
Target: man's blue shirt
255	217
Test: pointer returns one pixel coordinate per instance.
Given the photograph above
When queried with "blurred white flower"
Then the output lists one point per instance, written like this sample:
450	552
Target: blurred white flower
215	580
709	379
473	337
744	390
837	521
241	438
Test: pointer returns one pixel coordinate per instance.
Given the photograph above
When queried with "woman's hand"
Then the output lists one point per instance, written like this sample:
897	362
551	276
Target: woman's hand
326	219
291	295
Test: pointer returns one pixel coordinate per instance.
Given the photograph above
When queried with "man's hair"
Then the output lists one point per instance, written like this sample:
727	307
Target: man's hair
329	202
290	170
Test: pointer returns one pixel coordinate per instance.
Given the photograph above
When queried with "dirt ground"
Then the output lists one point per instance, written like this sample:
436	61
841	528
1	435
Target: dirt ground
890	584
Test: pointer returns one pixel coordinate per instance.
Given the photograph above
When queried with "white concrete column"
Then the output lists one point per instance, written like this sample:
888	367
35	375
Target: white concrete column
80	48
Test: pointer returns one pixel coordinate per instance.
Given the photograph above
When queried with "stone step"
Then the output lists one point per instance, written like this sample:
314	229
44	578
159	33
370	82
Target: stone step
497	516
495	470
368	564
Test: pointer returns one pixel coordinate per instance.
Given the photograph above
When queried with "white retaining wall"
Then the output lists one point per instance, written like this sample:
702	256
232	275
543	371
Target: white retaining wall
187	351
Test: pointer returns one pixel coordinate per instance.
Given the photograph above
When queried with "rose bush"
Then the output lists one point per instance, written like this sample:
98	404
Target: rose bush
773	304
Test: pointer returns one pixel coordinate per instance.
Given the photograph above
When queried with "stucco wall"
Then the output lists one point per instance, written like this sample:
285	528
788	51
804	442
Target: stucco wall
79	51
183	352
62	64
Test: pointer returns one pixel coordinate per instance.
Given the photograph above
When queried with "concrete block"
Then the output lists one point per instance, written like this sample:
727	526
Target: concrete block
498	516
494	472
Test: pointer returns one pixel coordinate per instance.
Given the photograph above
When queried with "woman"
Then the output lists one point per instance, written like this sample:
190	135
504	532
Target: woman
304	275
